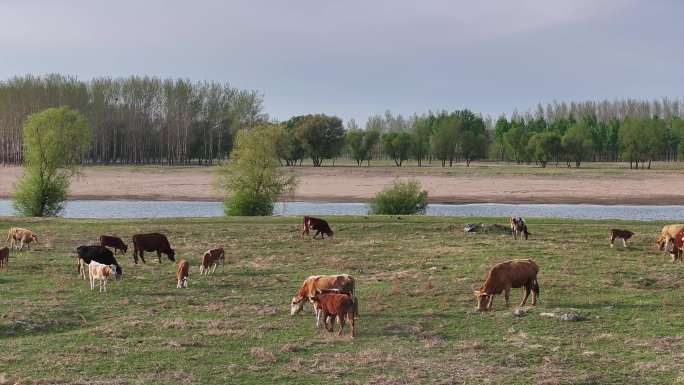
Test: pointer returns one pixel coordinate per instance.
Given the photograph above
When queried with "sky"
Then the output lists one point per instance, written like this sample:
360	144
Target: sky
357	58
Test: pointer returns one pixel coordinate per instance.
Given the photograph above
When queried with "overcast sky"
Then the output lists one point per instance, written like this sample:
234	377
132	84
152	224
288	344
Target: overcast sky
355	58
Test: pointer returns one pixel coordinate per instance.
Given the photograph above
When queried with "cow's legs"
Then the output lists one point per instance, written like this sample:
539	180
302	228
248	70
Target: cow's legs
350	318
507	295
527	293
214	269
624	242
142	258
490	302
340	319
21	243
159	256
328	326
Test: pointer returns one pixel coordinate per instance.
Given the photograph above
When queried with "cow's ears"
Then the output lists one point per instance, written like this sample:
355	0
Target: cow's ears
479	293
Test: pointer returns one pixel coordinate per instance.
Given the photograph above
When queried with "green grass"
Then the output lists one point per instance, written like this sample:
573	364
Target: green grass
415	279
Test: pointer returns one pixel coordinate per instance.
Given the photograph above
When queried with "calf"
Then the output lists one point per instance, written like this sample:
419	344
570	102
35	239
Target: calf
320	225
152	242
212	258
99	272
22	236
507	275
115	243
97	253
518	228
182	274
625	235
668	231
341	306
4	257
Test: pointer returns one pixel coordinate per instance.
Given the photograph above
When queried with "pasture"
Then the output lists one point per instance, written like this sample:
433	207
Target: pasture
415	278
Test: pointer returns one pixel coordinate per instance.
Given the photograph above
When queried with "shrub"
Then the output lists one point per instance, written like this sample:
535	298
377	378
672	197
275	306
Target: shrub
402	198
243	203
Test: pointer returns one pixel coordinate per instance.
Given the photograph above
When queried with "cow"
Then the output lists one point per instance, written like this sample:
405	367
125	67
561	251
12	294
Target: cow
115	243
674	246
340	306
4	257
23	236
506	275
212	258
518	228
307	290
99	272
668	231
182	274
320	225
152	242
99	254
625	235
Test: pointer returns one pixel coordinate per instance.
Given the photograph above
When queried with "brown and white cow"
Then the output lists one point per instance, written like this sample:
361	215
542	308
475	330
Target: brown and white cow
340	306
4	257
668	231
518	228
182	274
342	282
22	237
101	273
211	259
674	246
506	275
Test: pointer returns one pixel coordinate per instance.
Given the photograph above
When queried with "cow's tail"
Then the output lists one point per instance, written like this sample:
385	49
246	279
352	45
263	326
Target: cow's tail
356	306
535	287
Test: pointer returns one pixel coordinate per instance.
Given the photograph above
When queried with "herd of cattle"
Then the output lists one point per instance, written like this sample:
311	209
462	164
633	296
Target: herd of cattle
331	296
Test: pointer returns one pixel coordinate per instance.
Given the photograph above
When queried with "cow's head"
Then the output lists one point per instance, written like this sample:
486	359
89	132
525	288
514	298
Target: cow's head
124	247
34	238
296	305
482	299
118	270
330	233
660	243
171	254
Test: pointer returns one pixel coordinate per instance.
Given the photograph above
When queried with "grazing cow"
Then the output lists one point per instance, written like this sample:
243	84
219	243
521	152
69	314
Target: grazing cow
4	257
668	231
518	228
340	306
182	274
115	243
99	254
625	235
99	272
22	236
152	242
320	225
343	282
212	258
674	246
507	275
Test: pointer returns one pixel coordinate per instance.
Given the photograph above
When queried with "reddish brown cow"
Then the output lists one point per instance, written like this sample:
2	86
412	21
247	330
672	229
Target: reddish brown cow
182	274
668	231
320	225
4	257
336	306
152	242
115	243
507	275
674	245
212	258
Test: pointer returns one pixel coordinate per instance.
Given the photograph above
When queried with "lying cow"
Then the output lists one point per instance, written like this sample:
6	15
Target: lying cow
182	274
320	225
625	235
343	282
506	275
211	259
22	237
152	242
668	231
518	228
4	257
101	273
333	305
115	243
99	254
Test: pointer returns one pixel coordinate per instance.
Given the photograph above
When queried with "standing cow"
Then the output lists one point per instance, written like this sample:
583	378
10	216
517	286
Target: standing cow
333	305
4	257
316	283
211	259
152	242
182	274
518	228
320	225
97	253
506	275
115	243
22	236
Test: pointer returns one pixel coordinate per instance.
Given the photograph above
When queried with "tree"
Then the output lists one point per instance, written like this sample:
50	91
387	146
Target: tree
55	141
577	143
322	136
397	145
500	129
290	147
445	139
420	138
472	138
361	144
253	178
543	146
516	140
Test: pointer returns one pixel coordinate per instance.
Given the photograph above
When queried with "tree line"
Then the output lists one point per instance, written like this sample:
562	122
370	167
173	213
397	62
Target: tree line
134	120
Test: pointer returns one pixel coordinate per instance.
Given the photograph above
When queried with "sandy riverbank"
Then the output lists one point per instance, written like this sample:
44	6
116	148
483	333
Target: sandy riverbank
351	184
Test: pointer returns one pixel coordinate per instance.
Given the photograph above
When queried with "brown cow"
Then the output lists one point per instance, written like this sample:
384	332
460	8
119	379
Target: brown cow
182	274
674	246
4	257
518	228
342	282
212	258
507	275
152	242
320	225
668	231
340	306
625	235
23	236
115	243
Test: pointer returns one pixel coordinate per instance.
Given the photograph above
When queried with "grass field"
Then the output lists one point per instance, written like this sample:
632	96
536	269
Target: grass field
415	277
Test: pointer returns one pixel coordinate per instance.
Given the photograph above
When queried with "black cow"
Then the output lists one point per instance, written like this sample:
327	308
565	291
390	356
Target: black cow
98	254
152	242
320	225
115	243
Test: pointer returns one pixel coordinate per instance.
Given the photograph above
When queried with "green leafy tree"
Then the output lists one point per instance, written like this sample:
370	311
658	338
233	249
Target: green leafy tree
253	178
55	141
361	144
472	137
289	147
397	145
577	143
322	136
516	139
420	138
501	127
544	146
445	140
402	198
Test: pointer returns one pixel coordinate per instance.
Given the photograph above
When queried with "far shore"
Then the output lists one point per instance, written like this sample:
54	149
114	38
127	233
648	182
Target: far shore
484	183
